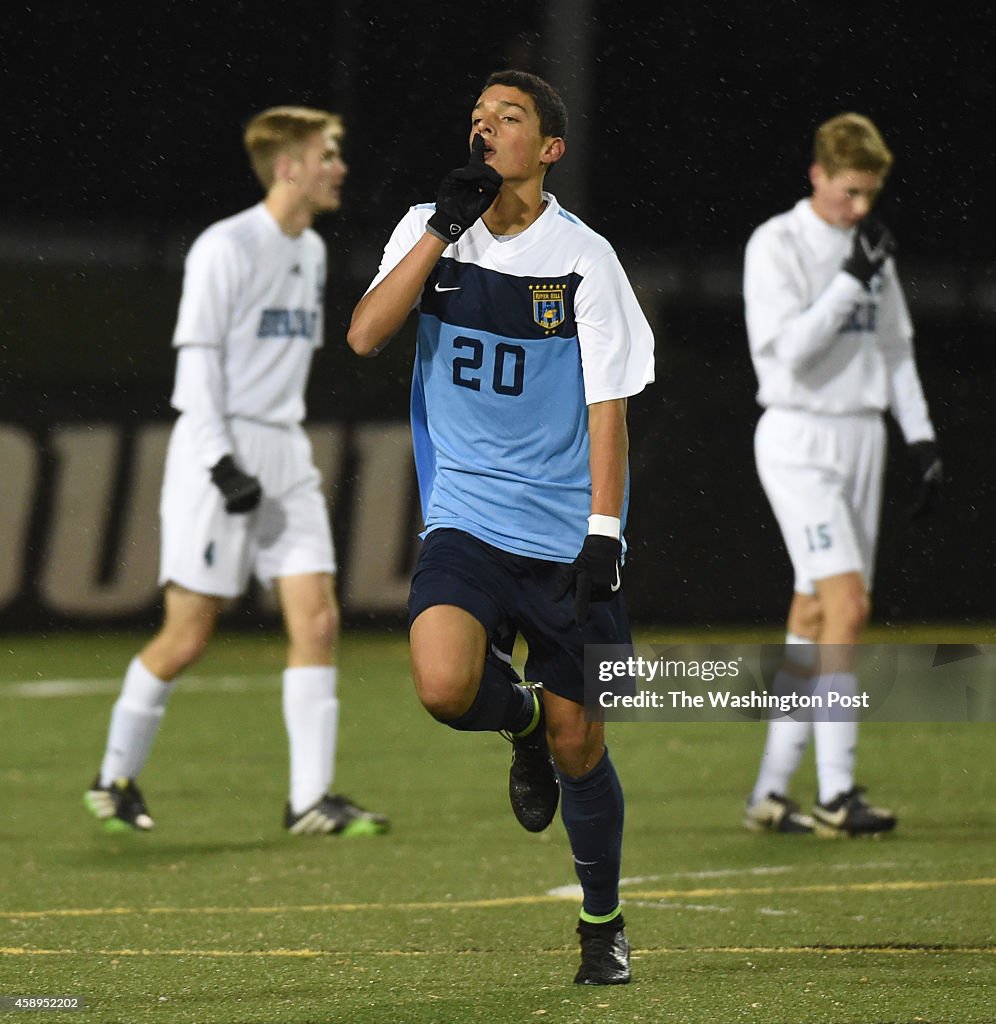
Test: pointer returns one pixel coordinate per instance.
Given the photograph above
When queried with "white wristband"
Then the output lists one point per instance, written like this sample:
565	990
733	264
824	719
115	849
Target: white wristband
604	526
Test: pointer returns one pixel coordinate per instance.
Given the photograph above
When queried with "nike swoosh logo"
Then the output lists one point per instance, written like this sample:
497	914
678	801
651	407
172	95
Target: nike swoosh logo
618	583
439	288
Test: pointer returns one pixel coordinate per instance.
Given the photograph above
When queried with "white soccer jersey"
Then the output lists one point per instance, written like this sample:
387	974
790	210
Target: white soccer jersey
819	341
256	295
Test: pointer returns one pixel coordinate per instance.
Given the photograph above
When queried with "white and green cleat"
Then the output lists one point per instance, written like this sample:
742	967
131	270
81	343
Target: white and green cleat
337	816
120	807
776	813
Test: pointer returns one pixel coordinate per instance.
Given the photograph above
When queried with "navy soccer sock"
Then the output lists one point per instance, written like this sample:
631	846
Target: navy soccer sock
501	702
592	807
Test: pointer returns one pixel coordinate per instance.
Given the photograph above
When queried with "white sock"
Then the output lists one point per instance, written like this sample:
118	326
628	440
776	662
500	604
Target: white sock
311	714
784	746
787	739
836	742
135	721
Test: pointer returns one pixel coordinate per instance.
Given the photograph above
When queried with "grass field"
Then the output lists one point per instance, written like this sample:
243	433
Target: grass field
458	915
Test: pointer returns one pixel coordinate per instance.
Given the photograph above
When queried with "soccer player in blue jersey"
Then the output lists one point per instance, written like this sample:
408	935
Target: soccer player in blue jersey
530	341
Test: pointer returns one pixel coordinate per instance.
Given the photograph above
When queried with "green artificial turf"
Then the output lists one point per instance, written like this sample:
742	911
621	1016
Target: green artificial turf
459	915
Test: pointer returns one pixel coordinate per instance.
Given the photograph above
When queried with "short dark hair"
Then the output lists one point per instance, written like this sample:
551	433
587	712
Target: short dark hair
549	106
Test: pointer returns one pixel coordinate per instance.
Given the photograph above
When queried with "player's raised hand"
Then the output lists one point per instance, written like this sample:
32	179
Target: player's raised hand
592	576
926	476
465	194
873	244
242	492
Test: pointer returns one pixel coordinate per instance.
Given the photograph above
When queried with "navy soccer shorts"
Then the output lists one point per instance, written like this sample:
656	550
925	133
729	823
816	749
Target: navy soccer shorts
501	589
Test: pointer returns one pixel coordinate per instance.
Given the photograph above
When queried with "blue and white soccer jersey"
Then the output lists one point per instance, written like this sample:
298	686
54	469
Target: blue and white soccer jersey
830	358
516	337
250	319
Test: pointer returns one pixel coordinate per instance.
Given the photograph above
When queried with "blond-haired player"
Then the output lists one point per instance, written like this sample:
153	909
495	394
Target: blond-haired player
241	494
831	342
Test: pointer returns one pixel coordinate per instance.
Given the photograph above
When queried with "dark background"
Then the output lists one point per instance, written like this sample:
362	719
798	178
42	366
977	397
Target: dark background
690	125
700	119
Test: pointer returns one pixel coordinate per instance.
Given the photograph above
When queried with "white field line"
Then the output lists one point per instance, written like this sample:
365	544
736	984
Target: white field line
41	689
573	891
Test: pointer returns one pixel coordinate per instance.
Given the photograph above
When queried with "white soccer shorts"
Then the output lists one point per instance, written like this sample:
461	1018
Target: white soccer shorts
823	476
210	551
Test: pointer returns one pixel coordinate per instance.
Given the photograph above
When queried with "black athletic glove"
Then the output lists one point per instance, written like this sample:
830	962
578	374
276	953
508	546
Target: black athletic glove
593	575
926	476
873	244
465	194
242	491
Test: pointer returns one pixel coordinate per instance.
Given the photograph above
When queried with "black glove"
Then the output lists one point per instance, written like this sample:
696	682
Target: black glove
873	244
465	194
926	476
242	491
593	575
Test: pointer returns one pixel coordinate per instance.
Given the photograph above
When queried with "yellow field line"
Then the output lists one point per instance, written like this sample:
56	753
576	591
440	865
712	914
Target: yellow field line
345	955
782	890
506	901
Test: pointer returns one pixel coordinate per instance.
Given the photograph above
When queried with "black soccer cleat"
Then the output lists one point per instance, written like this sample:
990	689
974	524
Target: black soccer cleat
533	787
848	814
120	806
335	815
776	814
604	954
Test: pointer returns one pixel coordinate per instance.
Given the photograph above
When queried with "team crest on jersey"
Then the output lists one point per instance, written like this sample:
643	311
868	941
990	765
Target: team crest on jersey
548	305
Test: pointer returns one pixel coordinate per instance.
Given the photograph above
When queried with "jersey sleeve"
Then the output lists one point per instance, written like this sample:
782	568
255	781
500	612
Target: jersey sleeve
782	319
409	230
617	345
321	287
199	393
906	399
211	281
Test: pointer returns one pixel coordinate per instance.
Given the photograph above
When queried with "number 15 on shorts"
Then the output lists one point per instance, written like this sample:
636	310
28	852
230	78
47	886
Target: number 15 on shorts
818	537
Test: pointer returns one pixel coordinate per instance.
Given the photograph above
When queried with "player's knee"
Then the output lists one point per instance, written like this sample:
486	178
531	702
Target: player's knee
576	758
446	695
806	616
575	746
847	615
810	622
313	634
444	706
856	612
323	627
170	653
